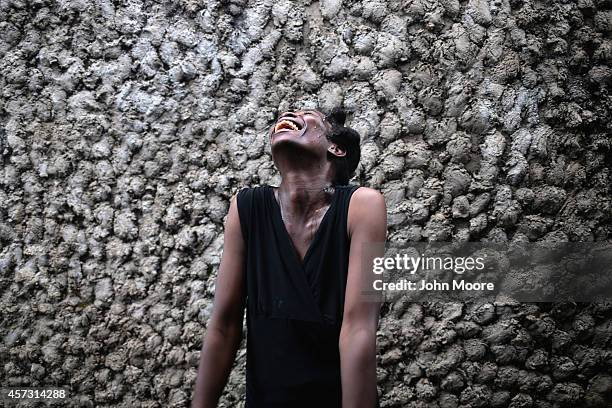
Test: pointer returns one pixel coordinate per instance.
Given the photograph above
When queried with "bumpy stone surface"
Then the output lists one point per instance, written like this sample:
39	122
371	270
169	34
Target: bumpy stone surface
127	126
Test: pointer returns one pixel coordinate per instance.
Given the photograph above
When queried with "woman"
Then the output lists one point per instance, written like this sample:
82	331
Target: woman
293	255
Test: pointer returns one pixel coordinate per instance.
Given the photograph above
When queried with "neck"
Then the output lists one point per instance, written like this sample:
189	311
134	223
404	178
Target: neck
301	194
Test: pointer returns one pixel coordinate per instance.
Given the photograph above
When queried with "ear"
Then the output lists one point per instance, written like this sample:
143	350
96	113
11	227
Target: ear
336	150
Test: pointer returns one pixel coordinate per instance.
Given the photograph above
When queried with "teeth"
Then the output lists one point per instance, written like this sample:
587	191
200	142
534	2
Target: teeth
286	122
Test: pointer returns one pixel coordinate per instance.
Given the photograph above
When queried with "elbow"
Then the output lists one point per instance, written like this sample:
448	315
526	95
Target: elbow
228	331
357	338
359	327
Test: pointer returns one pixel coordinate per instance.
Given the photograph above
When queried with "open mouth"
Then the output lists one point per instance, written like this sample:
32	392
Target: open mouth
287	125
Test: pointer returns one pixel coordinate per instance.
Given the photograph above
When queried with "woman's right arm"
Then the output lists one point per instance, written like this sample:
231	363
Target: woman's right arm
224	329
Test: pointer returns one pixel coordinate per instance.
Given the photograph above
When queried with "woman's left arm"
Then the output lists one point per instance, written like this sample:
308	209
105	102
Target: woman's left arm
367	226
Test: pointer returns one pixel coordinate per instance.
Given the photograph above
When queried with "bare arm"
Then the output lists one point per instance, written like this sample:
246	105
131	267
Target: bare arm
224	329
367	224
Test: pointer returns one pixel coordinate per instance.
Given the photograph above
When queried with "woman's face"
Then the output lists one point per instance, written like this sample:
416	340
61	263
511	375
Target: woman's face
294	125
306	129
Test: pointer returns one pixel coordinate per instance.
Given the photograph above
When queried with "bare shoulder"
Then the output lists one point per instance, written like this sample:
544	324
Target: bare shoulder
233	207
233	229
367	196
366	200
367	207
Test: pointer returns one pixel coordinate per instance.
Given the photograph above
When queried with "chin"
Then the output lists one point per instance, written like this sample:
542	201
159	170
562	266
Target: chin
286	143
285	138
286	134
289	146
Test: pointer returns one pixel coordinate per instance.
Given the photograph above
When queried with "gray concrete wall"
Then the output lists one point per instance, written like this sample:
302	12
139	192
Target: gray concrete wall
126	127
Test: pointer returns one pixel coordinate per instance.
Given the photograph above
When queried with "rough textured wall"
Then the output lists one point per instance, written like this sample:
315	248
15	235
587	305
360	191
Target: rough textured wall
127	126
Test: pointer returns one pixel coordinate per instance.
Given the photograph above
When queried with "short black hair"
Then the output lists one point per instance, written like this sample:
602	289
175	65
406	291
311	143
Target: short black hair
349	140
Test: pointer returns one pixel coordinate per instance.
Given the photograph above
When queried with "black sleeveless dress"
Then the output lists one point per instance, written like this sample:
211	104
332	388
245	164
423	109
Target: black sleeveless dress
294	308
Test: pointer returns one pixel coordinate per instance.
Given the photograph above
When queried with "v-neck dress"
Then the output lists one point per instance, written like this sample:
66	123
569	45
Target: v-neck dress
294	306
